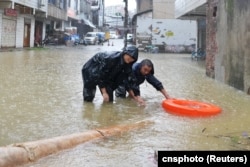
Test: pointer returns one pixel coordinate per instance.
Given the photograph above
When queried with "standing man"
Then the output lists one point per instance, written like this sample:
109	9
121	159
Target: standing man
100	38
107	71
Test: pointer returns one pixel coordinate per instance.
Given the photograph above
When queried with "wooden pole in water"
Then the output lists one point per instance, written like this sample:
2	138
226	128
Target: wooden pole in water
23	153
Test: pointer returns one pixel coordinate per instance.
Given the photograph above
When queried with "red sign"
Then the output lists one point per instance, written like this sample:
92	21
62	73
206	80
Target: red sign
10	12
71	13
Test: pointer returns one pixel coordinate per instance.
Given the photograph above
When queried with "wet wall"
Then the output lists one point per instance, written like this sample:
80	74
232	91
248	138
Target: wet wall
228	41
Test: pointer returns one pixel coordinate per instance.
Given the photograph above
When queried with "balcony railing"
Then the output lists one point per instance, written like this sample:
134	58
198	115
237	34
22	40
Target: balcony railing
56	12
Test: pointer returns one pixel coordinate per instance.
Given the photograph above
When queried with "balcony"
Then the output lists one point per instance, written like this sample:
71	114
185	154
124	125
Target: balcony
191	9
56	12
95	6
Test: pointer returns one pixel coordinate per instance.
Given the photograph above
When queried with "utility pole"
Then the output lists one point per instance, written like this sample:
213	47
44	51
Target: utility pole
125	23
103	13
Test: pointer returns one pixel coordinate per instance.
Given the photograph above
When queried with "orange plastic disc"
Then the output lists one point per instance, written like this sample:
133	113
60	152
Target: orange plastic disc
190	107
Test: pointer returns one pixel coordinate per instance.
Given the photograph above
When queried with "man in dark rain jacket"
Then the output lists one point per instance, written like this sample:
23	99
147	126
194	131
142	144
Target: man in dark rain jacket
107	71
142	71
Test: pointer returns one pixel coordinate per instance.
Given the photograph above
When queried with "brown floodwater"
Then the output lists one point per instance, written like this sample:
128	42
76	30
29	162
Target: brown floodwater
41	97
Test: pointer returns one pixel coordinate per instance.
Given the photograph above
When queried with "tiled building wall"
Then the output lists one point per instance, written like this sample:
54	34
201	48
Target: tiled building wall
228	40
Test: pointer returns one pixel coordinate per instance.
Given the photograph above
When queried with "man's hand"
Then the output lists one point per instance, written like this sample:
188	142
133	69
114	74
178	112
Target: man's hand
164	92
105	97
140	101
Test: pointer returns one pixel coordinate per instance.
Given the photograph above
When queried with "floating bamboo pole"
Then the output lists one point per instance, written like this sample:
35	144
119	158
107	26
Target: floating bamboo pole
23	153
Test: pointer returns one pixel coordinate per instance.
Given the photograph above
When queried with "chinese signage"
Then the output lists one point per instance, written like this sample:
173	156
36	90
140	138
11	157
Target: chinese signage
10	12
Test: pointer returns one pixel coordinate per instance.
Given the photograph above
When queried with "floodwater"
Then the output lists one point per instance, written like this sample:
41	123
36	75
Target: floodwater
41	97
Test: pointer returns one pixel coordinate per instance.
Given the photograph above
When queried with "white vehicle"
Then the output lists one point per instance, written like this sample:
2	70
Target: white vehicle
112	35
91	38
129	37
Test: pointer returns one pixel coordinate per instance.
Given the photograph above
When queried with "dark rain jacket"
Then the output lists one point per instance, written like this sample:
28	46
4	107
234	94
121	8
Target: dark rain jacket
140	79
108	69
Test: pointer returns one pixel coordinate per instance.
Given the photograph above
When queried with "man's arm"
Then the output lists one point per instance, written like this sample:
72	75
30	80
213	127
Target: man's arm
157	85
164	92
136	98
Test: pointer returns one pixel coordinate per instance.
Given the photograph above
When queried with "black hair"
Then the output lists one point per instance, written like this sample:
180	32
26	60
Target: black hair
147	62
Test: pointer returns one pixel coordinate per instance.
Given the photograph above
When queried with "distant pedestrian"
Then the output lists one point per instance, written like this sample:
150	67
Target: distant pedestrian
100	39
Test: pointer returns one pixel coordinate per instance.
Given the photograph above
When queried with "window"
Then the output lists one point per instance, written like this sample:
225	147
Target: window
76	4
58	25
52	1
94	3
65	4
42	2
62	4
215	11
69	3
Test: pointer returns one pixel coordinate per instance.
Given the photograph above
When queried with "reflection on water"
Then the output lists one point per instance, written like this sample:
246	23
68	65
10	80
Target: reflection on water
41	97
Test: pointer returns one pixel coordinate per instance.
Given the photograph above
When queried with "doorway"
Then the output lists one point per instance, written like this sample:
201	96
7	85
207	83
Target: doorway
26	36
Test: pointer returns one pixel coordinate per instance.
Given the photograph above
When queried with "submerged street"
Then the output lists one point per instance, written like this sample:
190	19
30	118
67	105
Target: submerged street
41	97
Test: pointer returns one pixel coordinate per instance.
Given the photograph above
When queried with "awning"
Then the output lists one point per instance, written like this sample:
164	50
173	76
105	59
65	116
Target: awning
87	22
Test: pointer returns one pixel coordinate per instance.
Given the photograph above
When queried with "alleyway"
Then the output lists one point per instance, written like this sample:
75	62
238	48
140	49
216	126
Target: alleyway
41	97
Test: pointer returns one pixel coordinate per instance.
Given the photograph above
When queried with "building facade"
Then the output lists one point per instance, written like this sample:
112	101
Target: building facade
26	23
115	17
194	10
18	22
143	5
156	26
227	38
162	9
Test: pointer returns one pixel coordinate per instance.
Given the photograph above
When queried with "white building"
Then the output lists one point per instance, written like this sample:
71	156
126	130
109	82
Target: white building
194	10
17	21
114	16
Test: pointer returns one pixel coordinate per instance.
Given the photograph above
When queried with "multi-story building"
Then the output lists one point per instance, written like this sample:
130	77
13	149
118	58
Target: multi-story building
225	38
194	10
56	18
84	24
162	9
26	23
22	22
143	5
97	9
114	16
89	17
